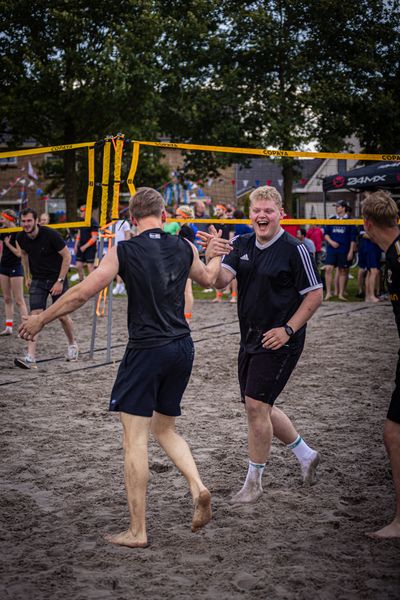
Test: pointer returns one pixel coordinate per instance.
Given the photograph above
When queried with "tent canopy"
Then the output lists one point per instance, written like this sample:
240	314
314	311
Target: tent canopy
382	175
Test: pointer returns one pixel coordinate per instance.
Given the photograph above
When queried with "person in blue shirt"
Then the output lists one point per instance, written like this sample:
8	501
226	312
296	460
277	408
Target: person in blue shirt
342	241
241	228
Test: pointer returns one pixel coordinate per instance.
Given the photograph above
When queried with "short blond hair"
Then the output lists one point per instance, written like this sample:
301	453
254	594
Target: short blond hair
146	203
380	208
186	210
266	192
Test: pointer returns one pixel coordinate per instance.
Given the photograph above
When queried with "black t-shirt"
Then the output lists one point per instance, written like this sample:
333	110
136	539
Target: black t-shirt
272	280
393	278
155	266
226	229
86	232
43	253
8	259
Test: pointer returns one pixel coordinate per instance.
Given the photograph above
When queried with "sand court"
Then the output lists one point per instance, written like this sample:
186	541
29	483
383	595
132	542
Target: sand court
62	488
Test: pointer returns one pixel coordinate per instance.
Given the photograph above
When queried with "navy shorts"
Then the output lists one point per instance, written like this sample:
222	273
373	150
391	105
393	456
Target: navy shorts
153	379
88	256
337	260
263	376
12	271
362	260
394	406
39	291
374	261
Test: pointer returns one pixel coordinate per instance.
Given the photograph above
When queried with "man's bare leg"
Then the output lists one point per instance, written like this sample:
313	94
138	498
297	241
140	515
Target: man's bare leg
32	345
68	327
176	448
233	300
328	281
259	436
343	277
218	297
79	268
391	436
286	433
370	286
136	474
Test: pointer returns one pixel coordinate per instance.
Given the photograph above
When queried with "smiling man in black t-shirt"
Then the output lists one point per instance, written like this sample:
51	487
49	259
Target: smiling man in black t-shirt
379	212
45	255
279	289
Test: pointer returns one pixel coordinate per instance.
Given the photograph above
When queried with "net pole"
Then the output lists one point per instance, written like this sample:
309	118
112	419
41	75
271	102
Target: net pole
110	303
96	299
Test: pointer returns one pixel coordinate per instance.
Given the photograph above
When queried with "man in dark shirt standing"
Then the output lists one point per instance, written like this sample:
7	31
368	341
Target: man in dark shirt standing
86	245
45	254
279	289
228	232
379	212
157	363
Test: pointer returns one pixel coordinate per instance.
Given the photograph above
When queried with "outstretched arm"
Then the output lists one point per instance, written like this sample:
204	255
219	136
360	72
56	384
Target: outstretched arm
75	297
205	275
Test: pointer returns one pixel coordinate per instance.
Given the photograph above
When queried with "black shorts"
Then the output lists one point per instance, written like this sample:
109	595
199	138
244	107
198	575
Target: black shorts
88	256
39	291
337	260
263	376
394	406
153	379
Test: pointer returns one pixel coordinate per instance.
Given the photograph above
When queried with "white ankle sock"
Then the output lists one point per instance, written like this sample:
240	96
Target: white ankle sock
301	450
255	472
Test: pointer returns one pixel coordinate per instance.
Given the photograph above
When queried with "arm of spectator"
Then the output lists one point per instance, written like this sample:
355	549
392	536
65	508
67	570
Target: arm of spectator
25	266
331	242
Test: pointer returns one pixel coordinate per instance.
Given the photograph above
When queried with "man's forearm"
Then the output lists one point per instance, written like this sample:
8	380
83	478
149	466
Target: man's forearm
306	309
65	266
73	299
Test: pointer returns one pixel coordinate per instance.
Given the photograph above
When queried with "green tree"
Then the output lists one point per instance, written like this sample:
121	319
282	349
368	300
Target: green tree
75	71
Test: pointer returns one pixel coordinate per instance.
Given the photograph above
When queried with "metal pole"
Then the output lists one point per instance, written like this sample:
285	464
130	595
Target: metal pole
324	205
110	301
96	299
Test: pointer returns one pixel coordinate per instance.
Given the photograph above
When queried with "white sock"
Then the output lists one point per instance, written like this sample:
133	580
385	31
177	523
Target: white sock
301	450
255	472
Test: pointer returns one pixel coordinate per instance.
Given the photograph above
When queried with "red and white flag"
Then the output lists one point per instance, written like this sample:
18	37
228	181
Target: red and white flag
31	172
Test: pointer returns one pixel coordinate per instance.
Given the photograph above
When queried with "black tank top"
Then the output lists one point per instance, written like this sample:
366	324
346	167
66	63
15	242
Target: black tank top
155	266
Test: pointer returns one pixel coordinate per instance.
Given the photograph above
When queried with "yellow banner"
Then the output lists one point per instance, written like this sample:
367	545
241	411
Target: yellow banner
105	181
132	171
117	176
315	221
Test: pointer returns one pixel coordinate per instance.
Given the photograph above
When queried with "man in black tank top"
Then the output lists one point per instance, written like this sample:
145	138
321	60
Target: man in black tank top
379	212
157	363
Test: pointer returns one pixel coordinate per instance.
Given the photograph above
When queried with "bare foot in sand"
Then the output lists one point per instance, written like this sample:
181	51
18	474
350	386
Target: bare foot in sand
202	510
216	299
250	492
309	468
342	298
126	538
372	299
233	300
328	297
388	532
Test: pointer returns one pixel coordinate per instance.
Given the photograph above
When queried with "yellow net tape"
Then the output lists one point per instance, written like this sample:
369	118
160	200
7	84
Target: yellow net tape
132	170
117	176
105	181
278	153
44	150
314	221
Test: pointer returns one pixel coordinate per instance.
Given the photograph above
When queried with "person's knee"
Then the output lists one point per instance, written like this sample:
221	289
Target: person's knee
343	271
329	269
8	298
391	435
257	412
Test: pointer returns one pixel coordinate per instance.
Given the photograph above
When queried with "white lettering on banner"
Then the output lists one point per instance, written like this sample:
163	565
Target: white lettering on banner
361	180
338	229
395	164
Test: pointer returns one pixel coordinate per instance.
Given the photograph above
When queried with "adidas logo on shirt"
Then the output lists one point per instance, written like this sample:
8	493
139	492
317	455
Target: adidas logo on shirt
244	257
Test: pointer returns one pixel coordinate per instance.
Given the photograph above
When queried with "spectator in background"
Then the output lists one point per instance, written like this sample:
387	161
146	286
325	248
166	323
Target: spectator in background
11	272
86	245
44	219
292	229
172	227
342	240
228	232
122	233
301	235
316	235
200	213
241	228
